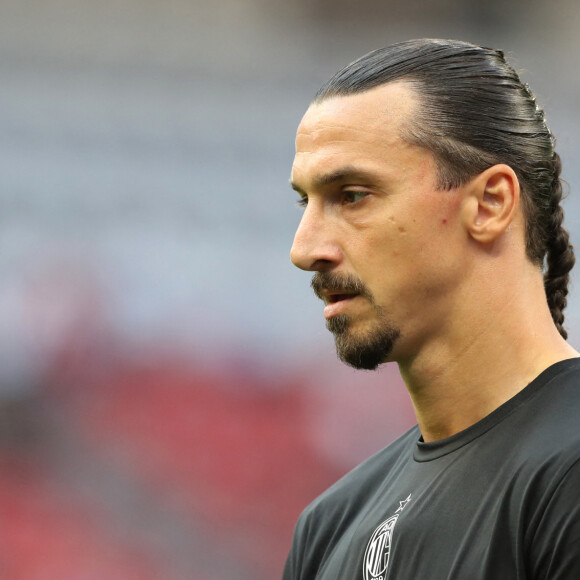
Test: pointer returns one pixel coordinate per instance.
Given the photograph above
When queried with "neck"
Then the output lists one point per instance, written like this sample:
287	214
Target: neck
472	368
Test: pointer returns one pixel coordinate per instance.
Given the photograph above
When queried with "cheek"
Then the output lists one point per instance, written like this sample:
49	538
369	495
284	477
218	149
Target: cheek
448	210
391	249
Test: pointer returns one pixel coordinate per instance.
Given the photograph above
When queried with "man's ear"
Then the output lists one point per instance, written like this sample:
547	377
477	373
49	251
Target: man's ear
491	203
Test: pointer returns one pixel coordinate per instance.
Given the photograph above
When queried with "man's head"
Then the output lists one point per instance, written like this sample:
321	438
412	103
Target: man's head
465	107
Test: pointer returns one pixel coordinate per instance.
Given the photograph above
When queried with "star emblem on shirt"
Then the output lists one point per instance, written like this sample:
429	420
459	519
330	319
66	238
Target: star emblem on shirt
403	503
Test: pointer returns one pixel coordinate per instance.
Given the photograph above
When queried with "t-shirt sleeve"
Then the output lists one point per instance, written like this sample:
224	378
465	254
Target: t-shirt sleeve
555	550
293	566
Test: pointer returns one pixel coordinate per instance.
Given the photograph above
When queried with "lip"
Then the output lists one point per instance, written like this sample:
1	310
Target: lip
336	303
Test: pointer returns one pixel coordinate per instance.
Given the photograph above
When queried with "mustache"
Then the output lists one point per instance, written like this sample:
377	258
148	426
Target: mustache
342	283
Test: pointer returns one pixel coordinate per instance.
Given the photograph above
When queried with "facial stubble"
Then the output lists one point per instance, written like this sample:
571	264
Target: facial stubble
359	349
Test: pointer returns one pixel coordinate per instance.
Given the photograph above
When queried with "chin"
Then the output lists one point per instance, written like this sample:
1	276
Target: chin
365	350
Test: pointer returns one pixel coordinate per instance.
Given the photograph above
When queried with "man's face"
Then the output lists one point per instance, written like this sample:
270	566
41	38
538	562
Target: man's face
384	242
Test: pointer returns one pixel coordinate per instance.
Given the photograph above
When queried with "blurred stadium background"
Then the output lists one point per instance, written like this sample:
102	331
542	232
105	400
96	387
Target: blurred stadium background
169	398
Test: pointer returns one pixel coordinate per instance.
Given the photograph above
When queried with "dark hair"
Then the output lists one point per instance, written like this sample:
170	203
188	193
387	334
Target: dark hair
475	112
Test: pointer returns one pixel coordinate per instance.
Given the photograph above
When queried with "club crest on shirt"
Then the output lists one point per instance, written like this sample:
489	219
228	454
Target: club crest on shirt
376	560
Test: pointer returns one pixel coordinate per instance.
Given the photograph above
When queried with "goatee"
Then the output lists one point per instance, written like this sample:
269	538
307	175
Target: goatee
365	350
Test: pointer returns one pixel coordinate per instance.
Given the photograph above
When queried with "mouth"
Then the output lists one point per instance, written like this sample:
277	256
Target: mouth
338	292
333	297
337	303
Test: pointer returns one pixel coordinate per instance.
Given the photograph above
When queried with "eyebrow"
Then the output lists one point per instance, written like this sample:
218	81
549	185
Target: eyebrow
345	173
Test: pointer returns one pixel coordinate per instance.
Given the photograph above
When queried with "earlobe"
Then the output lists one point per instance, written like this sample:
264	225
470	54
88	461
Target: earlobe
492	203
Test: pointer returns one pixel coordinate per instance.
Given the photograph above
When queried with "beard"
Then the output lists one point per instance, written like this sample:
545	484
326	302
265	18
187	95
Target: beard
365	350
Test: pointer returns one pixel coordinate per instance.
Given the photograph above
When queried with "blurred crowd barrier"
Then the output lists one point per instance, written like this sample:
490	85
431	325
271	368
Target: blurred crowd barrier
161	469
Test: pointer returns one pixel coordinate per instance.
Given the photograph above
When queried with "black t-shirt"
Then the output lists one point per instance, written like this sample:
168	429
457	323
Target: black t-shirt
497	501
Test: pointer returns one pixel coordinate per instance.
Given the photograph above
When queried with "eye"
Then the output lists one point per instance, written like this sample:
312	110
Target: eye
354	196
302	202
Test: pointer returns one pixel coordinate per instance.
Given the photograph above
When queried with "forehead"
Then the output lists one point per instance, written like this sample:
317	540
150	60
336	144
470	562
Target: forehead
364	129
384	108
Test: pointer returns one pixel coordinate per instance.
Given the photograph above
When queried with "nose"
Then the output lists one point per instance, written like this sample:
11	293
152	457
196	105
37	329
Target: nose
314	247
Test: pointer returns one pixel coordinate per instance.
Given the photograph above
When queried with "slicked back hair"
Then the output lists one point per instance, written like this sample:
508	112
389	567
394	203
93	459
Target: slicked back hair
475	112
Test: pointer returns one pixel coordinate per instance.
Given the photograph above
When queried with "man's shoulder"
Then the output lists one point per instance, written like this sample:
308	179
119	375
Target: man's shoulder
534	437
554	405
355	488
550	421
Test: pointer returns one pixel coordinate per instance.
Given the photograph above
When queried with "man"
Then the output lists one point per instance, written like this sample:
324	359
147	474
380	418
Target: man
432	223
